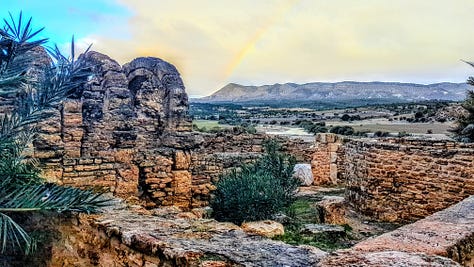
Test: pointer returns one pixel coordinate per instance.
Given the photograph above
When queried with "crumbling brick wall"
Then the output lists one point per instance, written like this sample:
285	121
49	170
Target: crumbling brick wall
394	179
327	159
126	129
405	180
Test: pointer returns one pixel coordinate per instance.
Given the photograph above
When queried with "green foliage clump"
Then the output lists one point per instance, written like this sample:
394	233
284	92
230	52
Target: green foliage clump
256	191
303	211
310	127
464	129
342	130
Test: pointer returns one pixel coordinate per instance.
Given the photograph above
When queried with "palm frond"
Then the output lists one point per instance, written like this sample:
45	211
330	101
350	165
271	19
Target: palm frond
52	197
16	39
64	76
13	236
21	189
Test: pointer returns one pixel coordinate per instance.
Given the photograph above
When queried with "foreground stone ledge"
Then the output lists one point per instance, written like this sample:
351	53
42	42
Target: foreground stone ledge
126	237
386	258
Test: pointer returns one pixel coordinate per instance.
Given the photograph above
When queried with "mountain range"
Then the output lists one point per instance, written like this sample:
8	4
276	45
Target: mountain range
321	91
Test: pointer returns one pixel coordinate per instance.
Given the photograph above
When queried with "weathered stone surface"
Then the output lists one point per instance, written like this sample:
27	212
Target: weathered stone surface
323	230
304	174
137	238
158	93
182	160
386	259
121	129
427	242
265	228
447	233
400	180
327	159
214	264
333	209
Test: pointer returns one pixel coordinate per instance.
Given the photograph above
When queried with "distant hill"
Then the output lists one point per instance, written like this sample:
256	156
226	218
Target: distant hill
340	91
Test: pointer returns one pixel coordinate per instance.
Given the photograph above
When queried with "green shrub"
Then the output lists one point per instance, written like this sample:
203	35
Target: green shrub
342	130
256	191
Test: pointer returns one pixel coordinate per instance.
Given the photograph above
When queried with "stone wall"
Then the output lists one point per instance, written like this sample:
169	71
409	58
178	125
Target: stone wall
327	159
405	180
168	237
448	233
393	179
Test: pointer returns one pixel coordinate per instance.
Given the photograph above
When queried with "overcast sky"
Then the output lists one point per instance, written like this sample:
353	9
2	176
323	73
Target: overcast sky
215	42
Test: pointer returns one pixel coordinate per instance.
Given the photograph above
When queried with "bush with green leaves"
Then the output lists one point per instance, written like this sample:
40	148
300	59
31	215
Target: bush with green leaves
21	187
256	191
342	130
310	127
464	130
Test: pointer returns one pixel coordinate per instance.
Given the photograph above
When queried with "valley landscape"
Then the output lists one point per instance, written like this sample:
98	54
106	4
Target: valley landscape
107	160
370	107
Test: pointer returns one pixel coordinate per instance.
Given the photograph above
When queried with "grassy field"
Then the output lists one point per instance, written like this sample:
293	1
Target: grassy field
416	128
365	125
395	127
209	124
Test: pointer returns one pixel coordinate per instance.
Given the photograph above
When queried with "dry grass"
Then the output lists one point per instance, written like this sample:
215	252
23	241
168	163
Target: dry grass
209	124
395	127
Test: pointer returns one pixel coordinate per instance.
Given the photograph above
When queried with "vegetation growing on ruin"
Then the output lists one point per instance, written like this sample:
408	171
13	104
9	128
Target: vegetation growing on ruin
257	191
21	187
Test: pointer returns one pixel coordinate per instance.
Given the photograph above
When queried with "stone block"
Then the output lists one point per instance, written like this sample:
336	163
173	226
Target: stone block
72	106
72	120
334	147
323	230
182	160
304	173
46	154
331	138
321	138
334	210
333	173
265	228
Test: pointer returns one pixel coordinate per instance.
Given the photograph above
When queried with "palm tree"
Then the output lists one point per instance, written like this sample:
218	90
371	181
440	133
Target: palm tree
21	187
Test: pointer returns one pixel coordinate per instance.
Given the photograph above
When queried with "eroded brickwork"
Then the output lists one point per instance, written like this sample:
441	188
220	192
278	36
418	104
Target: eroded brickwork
327	158
405	180
126	129
396	180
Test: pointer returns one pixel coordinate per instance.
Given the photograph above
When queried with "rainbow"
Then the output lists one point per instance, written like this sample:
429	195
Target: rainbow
250	45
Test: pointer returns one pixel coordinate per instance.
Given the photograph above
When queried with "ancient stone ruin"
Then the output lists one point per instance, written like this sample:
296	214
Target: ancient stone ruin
127	129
